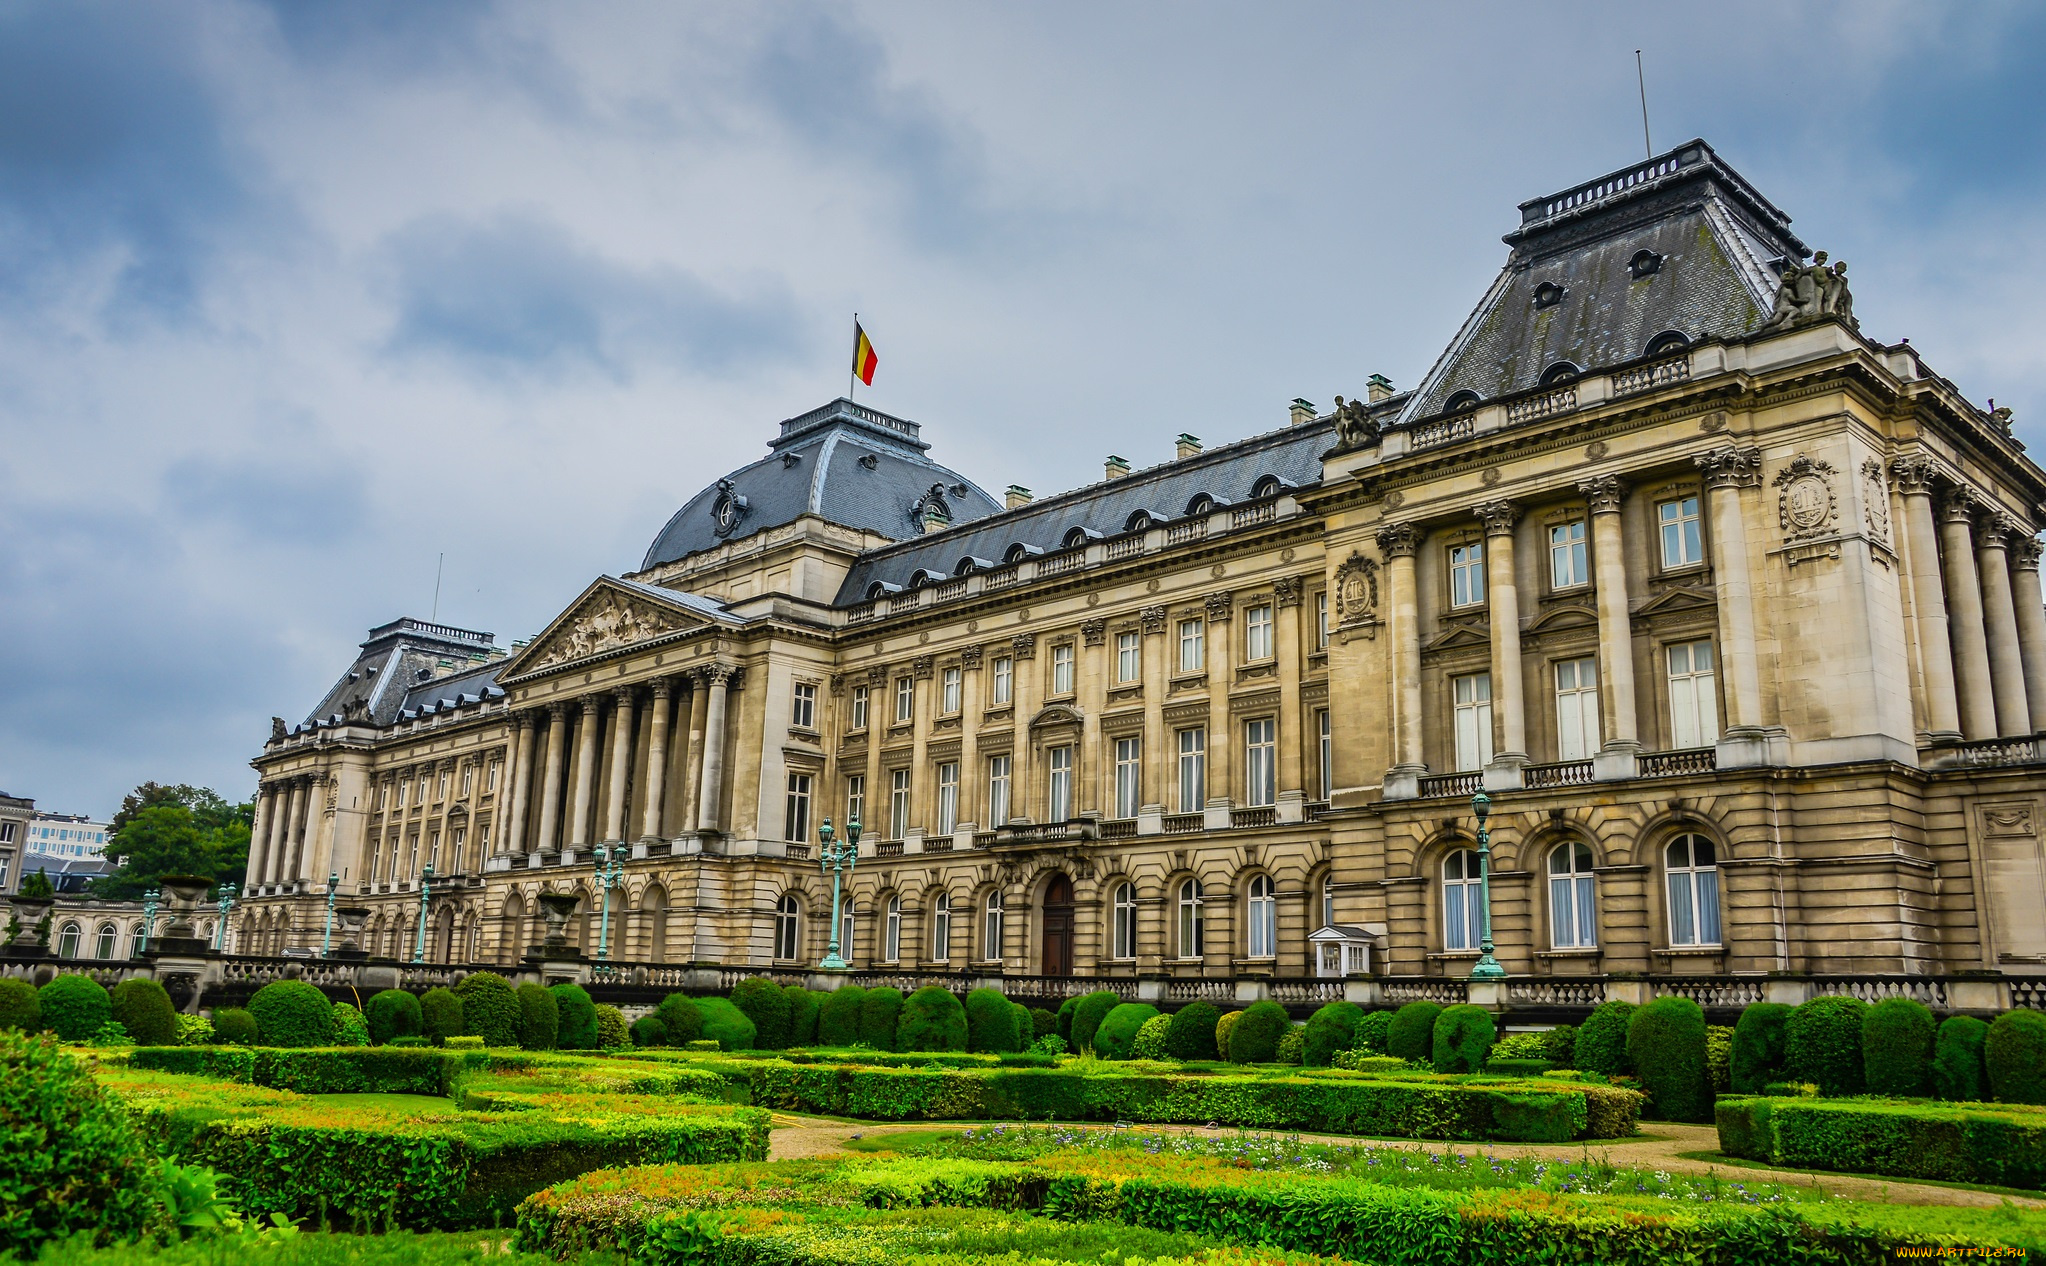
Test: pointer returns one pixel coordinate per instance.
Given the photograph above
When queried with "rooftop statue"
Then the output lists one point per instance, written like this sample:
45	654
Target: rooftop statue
1355	427
1812	292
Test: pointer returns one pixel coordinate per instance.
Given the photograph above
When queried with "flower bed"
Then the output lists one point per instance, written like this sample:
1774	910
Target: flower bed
2000	1144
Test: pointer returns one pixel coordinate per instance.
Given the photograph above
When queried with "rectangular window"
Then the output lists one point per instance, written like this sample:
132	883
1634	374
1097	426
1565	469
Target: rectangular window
6	832
948	797
803	712
1472	694
440	789
468	779
1257	633
856	799
949	696
1193	770
859	708
1577	727
1325	724
796	821
1693	695
1321	621
1193	653
941	928
1681	545
1062	669
1260	761
1129	776
1127	657
404	789
905	699
422	789
1467	575
433	851
1059	788
997	791
461	846
1005	680
490	779
1566	555
898	803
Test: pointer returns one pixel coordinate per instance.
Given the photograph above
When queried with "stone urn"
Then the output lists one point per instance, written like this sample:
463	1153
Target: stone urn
182	893
348	921
30	913
558	908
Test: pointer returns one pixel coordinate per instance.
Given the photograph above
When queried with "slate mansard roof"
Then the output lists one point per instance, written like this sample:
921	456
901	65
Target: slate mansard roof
1680	244
844	462
404	666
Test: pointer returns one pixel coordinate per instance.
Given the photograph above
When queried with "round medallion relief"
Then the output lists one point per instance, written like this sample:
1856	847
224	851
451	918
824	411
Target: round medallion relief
1023	616
924	636
1286	554
1395	499
1491	475
1151	585
1597	449
1093	599
1218	571
1807	501
1712	422
973	626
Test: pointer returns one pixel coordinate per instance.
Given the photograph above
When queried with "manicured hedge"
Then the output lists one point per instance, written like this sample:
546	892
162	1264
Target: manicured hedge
440	1015
803	1008
1602	1040
612	1031
292	1013
391	1070
1462	1037
1224	1025
838	1020
1088	1013
1043	1023
1332	1028
350	1028
1958	1071
991	1022
1411	1034
19	1006
932	1020
1719	1058
74	1007
1666	1043
880	1015
1116	1036
2015	1054
1192	1035
232	1026
1150	1039
393	1013
724	1024
539	1018
648	1031
681	1019
490	1008
767	1005
577	1028
145	1010
1972	1143
1374	1030
1757	1056
73	1161
1896	1048
1255	1039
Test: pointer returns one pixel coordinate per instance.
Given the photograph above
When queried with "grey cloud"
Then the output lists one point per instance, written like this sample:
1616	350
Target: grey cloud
318	498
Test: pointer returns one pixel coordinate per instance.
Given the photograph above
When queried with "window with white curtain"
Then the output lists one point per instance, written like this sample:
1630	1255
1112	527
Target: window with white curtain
1461	901
803	706
1129	776
891	934
1573	909
796	815
1326	728
1471	696
1257	633
1193	655
905	699
948	797
1692	869
1128	657
991	928
856	799
1062	669
1004	680
1193	770
845	927
1260	761
1192	919
1682	545
1577	727
1567	562
948	694
1328	903
1693	694
1467	575
941	926
105	941
898	803
997	791
1059	784
1262	923
1123	929
788	920
859	708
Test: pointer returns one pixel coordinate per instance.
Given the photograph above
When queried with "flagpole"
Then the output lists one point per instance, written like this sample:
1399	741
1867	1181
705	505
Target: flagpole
853	377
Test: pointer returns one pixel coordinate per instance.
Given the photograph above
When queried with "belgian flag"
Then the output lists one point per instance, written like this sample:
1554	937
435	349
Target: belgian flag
864	359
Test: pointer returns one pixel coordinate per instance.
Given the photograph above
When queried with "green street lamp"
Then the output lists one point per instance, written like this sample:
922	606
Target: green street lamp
327	937
1487	967
837	860
220	929
425	895
610	874
149	900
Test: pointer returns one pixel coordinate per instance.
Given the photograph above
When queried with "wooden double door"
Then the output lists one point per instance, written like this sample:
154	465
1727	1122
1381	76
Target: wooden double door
1058	926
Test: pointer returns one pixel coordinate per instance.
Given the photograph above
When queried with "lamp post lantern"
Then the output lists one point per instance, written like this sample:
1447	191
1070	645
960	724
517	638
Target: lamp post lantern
1487	967
837	860
425	895
149	900
327	937
610	874
220	930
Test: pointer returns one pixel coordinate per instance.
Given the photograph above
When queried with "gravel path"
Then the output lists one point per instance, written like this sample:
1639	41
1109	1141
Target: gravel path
1657	1148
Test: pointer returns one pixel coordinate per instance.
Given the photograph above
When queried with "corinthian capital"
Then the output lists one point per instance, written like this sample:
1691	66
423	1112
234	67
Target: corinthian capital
1603	493
1497	516
1399	540
2024	553
1731	467
1959	504
1914	474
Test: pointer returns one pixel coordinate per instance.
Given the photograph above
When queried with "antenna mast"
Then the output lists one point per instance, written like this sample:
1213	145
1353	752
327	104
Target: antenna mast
1641	79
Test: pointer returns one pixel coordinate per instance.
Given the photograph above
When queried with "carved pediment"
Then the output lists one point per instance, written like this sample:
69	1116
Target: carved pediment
1458	636
1558	618
607	617
1056	714
1677	600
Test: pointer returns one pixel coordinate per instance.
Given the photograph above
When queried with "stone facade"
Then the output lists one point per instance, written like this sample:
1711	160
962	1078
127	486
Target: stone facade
1732	612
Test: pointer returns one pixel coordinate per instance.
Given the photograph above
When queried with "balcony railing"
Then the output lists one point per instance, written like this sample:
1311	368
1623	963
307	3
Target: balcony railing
1060	564
1569	773
1546	405
1713	991
1000	578
1303	991
1693	760
1446	431
1662	373
1553	992
1045	832
1465	784
1181	533
1264	815
1427	989
888	848
1127	547
1182	823
1119	829
1251	516
796	852
1992	753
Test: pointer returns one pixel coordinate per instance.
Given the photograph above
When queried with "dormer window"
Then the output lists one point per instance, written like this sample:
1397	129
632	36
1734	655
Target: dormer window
1548	295
1461	402
1138	522
1560	372
1667	343
1644	264
1269	486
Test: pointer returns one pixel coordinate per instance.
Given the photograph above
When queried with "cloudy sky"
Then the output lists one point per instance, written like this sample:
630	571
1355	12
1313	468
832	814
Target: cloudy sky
296	298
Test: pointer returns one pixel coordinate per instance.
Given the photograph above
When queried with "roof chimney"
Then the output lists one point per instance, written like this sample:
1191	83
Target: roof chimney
1378	387
1303	411
1189	445
1017	497
1115	467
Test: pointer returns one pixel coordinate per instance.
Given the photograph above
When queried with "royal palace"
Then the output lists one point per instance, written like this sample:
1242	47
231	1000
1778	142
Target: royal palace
1731	610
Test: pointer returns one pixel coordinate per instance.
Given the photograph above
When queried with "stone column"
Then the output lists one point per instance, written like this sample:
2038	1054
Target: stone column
2000	624
1964	617
259	841
578	833
692	753
1026	688
1159	751
1726	472
923	795
550	786
875	807
1941	716
1619	758
280	850
302	828
1502	599
1286	594
512	839
657	761
711	799
2031	626
1222	735
1092	696
622	708
970	706
1397	542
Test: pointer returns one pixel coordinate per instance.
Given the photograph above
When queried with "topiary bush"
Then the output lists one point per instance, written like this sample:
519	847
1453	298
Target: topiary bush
74	1007
292	1013
1896	1048
74	1160
838	1019
233	1026
1461	1039
724	1024
1333	1028
539	1018
1064	1016
1602	1040
613	1033
19	1007
350	1027
932	1020
648	1031
1822	1045
1291	1043
681	1019
1411	1034
146	1011
803	1008
490	1008
990	1023
1559	1046
1223	1025
1026	1029
1666	1043
1150	1040
393	1013
1373	1031
880	1012
576	1028
765	1003
1192	1035
1116	1036
1958	1071
1757	1058
1719	1058
1043	1023
1255	1039
440	1016
1088	1013
2014	1051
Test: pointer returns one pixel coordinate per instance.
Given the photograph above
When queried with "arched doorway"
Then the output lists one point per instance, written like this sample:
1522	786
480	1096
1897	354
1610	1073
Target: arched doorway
1058	926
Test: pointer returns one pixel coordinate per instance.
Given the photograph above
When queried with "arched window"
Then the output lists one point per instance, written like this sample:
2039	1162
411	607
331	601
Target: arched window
1646	263
1461	401
1269	486
1263	923
991	928
1667	343
1573	911
1123	939
1139	520
1200	503
104	943
1548	294
891	942
1460	901
1560	372
67	941
788	926
1192	922
1693	869
941	926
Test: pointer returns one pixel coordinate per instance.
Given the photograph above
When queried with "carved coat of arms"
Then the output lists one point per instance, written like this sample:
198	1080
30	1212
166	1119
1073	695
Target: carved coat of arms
610	621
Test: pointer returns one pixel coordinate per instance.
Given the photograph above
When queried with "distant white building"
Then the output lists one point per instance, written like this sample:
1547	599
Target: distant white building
66	835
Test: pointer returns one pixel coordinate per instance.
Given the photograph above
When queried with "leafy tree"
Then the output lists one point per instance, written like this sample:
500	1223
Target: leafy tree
175	831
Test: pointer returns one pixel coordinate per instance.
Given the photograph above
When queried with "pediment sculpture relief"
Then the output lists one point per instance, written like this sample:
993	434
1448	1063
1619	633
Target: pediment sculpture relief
611	620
